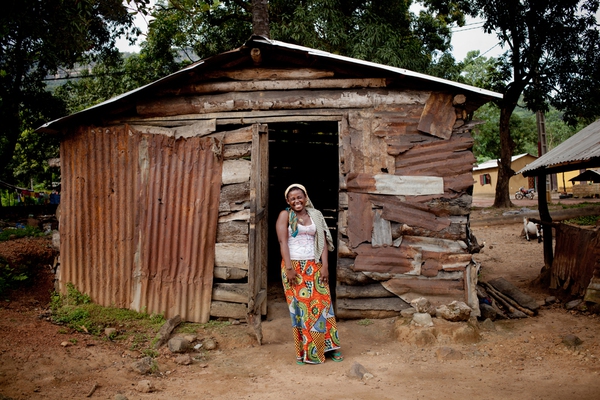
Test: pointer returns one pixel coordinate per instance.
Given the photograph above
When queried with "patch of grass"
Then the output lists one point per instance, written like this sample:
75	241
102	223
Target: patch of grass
73	340
578	205
584	221
77	311
16	233
365	322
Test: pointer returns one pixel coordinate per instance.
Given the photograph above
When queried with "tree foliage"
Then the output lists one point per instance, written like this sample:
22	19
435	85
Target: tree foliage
40	38
553	49
385	31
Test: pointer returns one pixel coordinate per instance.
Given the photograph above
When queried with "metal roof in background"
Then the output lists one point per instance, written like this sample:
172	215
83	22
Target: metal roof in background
581	150
494	163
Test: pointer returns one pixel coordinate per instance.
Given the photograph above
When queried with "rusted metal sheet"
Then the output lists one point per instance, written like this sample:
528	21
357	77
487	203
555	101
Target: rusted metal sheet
577	254
360	219
411	214
438	116
139	219
388	260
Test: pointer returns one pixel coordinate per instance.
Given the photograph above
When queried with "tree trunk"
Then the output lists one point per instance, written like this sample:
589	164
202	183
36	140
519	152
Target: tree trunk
260	18
507	146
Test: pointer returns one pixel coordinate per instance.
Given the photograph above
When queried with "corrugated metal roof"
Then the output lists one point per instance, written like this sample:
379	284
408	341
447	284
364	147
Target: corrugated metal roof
50	126
583	147
494	163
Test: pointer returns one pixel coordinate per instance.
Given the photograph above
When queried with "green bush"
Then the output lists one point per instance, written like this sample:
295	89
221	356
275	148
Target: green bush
28	231
9	277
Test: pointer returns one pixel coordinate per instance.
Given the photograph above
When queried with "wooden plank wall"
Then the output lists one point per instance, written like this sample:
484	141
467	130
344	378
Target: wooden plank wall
404	206
405	174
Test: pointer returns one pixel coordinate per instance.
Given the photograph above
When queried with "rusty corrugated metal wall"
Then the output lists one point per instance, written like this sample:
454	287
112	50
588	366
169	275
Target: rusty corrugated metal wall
577	255
139	217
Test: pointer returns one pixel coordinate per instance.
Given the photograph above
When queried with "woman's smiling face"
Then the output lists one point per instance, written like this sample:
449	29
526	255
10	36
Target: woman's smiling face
296	199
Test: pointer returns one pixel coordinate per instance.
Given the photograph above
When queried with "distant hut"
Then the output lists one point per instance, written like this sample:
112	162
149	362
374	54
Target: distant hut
170	191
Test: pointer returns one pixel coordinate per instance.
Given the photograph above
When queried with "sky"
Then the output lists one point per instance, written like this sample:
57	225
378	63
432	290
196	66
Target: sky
464	39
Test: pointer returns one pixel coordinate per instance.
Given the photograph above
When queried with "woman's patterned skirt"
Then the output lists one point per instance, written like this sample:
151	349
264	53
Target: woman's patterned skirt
311	310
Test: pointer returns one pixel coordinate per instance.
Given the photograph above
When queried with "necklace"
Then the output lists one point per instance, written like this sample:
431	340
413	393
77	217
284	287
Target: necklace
301	220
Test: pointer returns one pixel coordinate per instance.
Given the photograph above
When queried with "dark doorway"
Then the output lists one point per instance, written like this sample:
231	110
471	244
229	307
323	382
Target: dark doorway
305	153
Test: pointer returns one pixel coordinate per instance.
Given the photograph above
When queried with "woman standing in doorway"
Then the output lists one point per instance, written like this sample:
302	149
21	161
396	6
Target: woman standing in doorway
304	240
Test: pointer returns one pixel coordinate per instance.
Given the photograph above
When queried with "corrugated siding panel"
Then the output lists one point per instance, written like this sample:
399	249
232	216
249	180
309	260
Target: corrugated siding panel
139	217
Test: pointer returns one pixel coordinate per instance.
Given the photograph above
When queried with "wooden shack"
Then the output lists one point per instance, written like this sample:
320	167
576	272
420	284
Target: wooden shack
170	191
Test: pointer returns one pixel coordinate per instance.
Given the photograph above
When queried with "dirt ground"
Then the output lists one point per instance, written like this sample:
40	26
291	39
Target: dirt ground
520	359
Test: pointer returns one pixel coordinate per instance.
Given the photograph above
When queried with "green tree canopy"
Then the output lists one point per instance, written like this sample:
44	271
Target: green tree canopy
41	38
553	58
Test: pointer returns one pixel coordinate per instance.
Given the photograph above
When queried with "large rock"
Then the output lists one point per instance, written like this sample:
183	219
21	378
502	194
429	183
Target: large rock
145	386
422	319
143	366
178	345
454	312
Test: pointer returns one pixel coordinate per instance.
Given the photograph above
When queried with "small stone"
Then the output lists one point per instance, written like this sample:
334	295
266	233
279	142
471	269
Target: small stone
145	386
209	344
110	331
408	312
488	325
550	300
448	353
572	304
367	376
183	359
422	319
571	341
143	366
357	371
421	304
66	344
178	345
233	321
120	396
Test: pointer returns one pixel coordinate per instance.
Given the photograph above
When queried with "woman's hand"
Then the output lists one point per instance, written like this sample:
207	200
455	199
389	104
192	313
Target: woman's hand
291	274
324	278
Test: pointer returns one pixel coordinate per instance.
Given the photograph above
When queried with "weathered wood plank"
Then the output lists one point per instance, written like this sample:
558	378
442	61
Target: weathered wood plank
356	292
382	231
438	115
230	292
276	84
242	135
360	219
395	185
388	304
243	215
435	244
391	260
276	100
232	232
233	151
235	197
236	171
425	286
227	273
347	276
228	310
443	164
269	73
231	255
412	214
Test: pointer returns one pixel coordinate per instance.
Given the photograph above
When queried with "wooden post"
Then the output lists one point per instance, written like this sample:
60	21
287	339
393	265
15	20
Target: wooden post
545	217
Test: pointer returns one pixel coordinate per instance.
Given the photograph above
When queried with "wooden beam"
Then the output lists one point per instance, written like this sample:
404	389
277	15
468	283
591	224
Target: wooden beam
357	292
236	171
253	74
227	273
231	292
425	286
279	84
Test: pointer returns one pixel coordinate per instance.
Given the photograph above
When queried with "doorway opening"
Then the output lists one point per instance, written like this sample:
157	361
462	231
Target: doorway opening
305	153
